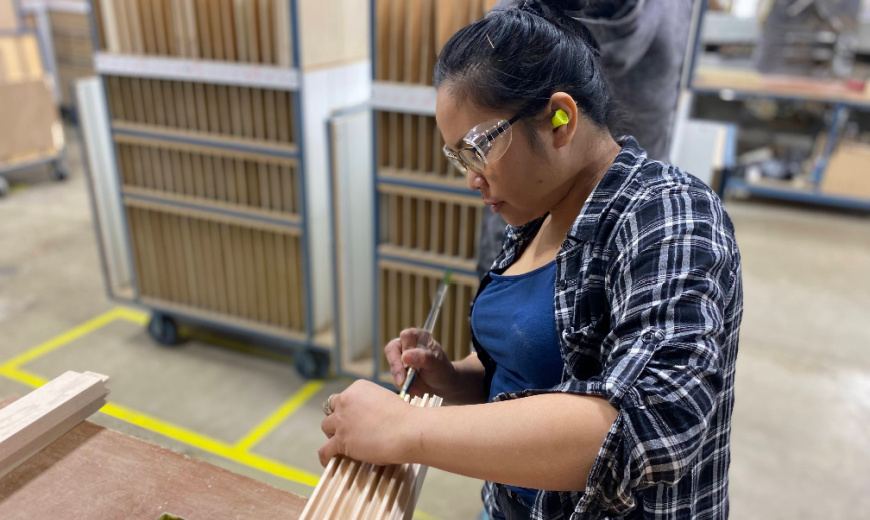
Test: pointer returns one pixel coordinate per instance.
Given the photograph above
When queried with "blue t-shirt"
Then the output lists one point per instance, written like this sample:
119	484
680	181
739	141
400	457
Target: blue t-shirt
514	319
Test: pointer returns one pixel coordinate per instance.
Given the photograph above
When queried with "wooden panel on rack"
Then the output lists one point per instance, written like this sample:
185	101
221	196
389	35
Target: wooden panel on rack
225	266
437	224
406	294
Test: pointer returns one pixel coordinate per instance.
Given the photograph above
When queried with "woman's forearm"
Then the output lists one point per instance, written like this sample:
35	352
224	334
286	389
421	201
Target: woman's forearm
468	387
547	441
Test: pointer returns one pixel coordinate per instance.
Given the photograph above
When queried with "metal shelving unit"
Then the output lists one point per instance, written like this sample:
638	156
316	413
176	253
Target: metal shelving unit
221	191
840	99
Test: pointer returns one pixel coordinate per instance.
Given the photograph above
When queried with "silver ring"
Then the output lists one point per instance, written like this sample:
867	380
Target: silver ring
327	405
398	339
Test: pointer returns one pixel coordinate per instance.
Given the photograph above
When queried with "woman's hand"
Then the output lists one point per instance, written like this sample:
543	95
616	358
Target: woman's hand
368	423
435	373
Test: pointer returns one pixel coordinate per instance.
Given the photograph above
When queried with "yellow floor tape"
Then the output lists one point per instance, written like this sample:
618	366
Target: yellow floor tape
238	452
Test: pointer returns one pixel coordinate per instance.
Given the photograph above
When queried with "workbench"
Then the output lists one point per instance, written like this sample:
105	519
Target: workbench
94	473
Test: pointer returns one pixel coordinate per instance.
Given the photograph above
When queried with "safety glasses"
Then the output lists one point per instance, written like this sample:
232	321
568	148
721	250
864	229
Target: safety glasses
486	143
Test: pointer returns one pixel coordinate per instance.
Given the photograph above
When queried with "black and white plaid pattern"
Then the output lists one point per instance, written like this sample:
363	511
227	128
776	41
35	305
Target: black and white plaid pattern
648	308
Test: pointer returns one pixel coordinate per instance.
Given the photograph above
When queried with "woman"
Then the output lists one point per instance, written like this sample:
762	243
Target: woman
606	333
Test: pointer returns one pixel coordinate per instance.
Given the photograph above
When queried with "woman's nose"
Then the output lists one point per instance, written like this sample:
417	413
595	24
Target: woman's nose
475	180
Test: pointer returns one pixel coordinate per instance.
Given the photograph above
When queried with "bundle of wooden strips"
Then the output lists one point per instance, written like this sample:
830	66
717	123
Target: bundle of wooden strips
352	490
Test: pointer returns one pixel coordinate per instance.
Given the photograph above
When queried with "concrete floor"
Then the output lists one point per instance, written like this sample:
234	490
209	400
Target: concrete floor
801	427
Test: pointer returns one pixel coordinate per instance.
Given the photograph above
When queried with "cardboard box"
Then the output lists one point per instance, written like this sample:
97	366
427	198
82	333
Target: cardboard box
848	171
29	121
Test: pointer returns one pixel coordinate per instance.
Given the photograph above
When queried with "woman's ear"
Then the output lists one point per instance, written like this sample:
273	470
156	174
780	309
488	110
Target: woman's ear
564	117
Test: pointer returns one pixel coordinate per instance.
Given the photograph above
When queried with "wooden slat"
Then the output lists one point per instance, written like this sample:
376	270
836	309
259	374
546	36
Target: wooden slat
42	416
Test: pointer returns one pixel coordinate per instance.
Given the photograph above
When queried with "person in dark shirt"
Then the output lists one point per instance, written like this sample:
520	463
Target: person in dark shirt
643	44
602	381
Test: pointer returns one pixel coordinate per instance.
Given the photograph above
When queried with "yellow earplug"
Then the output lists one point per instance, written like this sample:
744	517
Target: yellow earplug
560	118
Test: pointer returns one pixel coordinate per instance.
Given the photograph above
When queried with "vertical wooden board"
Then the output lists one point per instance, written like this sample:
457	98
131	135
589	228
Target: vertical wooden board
229	273
253	183
164	287
397	37
138	167
138	110
407	316
168	172
156	167
217	37
427	44
125	164
135	25
147	18
208	171
147	102
288	188
195	267
191	265
383	139
282	113
269	276
220	273
474	243
440	162
158	15
190	28
201	107
247	112
151	253
413	39
393	302
241	182
173	286
294	283
293	99
275	188
240	264
177	171
235	96
264	180
203	27
228	30
116	98
159	102
229	169
190	106
464	232
220	178
122	25
209	271
169	104
445	11
420	307
251	271
265	30
424	150
383	13
183	287
283	34
180	104
424	223
239	14
252	31
281	281
212	109
393	218
258	113
271	116
106	19
198	175
408	141
172	22
223	105
449	230
189	177
393	135
136	247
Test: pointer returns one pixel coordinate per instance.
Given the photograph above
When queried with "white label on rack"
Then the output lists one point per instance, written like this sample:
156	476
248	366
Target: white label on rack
415	99
226	73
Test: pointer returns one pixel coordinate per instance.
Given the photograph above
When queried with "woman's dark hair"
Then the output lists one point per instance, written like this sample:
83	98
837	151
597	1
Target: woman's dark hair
518	58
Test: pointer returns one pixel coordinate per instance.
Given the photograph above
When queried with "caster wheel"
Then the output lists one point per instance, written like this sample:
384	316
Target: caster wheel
59	173
163	329
311	365
4	187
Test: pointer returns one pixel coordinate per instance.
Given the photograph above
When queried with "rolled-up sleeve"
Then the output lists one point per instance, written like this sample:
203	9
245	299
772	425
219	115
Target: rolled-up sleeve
668	286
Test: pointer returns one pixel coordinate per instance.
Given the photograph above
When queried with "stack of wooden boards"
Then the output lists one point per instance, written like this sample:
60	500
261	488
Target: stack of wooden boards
351	490
38	419
252	31
410	33
210	171
31	126
428	220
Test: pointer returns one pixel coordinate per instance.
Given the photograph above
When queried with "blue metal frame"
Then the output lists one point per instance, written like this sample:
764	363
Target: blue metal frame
805	197
426	186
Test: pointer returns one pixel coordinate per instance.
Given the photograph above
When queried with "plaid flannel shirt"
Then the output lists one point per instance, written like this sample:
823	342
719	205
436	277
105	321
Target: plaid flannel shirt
648	302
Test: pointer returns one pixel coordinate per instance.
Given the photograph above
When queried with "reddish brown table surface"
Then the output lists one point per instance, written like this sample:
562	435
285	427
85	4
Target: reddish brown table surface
93	473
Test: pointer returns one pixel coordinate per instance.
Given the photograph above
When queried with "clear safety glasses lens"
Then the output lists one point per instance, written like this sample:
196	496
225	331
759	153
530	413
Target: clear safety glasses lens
487	143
